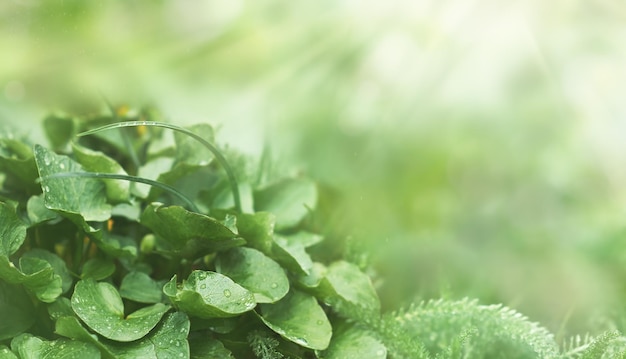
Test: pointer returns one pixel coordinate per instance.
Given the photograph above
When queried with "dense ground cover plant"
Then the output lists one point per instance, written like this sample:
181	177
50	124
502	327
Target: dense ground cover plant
130	238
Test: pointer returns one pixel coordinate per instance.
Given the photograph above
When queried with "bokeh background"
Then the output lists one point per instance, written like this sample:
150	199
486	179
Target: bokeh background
472	148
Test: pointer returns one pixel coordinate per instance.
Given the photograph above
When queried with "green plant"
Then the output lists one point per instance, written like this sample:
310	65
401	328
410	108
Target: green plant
122	242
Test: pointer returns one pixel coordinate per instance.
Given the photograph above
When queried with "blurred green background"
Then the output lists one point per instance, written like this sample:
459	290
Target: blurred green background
471	148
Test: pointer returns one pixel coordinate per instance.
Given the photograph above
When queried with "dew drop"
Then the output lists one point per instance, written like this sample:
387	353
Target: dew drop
46	160
202	286
380	352
320	322
93	307
227	293
46	189
274	285
202	275
62	165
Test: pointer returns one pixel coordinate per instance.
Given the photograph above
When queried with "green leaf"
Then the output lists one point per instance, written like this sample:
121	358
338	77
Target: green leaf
17	161
292	254
345	281
114	245
16	310
289	200
314	278
57	264
351	342
37	211
31	347
95	161
100	306
189	150
70	327
209	295
203	347
152	170
307	239
60	130
60	308
187	233
6	353
139	287
168	340
37	275
70	196
256	272
258	230
12	230
97	269
298	318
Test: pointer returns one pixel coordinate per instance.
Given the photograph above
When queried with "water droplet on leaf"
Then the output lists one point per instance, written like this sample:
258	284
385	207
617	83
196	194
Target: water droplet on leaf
227	293
274	285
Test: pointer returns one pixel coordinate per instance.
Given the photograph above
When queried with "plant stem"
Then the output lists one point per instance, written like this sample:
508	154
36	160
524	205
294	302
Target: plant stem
218	155
99	175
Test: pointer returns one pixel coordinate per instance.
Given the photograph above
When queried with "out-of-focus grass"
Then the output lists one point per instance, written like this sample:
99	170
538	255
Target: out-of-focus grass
478	145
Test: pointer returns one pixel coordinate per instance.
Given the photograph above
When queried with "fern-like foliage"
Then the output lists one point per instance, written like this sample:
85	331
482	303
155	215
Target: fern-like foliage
463	329
264	346
610	345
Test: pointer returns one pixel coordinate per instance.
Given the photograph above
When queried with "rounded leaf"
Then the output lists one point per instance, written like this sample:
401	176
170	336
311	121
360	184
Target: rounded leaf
100	306
138	286
97	269
290	200
346	281
256	272
210	295
350	342
31	347
298	318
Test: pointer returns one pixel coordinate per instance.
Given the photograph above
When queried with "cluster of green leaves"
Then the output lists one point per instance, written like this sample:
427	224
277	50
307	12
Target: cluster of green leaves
128	243
95	262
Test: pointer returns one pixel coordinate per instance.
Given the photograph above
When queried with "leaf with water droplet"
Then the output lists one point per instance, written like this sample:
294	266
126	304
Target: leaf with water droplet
254	271
186	233
28	346
298	318
209	295
349	341
100	306
79	199
167	340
